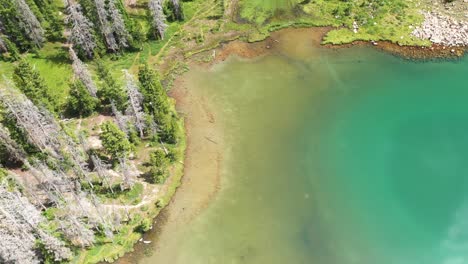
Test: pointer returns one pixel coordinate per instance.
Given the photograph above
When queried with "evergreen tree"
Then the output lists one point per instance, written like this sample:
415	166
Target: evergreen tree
110	90
159	163
50	14
80	102
156	101
10	22
114	141
30	82
158	19
9	51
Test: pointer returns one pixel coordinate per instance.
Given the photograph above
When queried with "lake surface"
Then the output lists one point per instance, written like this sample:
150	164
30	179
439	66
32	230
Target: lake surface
334	157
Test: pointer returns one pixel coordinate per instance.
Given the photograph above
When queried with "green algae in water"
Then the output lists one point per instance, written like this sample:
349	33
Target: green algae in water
349	156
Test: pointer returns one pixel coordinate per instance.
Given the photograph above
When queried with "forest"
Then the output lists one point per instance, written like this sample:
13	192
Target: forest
75	169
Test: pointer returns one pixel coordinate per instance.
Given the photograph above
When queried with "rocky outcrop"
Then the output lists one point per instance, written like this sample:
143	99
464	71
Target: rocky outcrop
443	30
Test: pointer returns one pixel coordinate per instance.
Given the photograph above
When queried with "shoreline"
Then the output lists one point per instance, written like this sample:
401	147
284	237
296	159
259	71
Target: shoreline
201	178
203	182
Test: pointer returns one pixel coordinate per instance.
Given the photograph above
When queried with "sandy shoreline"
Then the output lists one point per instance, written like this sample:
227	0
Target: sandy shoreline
203	160
201	180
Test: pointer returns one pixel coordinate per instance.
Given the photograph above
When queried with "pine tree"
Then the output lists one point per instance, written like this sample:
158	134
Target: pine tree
156	100
110	90
159	163
82	73
114	141
82	33
13	27
29	23
80	102
135	101
157	104
30	82
158	20
50	14
10	51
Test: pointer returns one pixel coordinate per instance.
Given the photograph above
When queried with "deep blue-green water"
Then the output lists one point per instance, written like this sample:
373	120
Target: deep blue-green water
335	157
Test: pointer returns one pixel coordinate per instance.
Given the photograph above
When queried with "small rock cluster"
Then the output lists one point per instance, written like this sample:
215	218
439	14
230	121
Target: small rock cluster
444	30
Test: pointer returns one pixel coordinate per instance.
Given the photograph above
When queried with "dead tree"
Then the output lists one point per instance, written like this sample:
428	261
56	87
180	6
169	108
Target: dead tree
158	18
3	47
20	220
29	23
81	35
127	174
120	119
135	104
118	25
40	127
81	72
15	151
101	169
112	25
177	10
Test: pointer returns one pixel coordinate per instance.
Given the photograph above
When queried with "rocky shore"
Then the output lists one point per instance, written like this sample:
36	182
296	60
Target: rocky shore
443	30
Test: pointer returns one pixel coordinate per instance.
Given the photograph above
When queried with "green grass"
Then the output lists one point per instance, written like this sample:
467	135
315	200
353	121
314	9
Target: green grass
377	19
259	11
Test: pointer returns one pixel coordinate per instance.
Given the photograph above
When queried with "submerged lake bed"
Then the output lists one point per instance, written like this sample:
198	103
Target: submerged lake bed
331	156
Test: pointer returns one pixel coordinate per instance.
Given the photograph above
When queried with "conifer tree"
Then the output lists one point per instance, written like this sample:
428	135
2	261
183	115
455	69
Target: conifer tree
114	141
30	82
156	104
8	51
156	101
80	102
50	14
110	90
158	21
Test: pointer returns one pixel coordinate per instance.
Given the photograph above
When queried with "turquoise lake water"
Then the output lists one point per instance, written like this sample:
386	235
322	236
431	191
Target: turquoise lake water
335	157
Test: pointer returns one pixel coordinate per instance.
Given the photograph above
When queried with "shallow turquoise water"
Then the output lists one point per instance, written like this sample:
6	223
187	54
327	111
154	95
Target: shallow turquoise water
339	157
